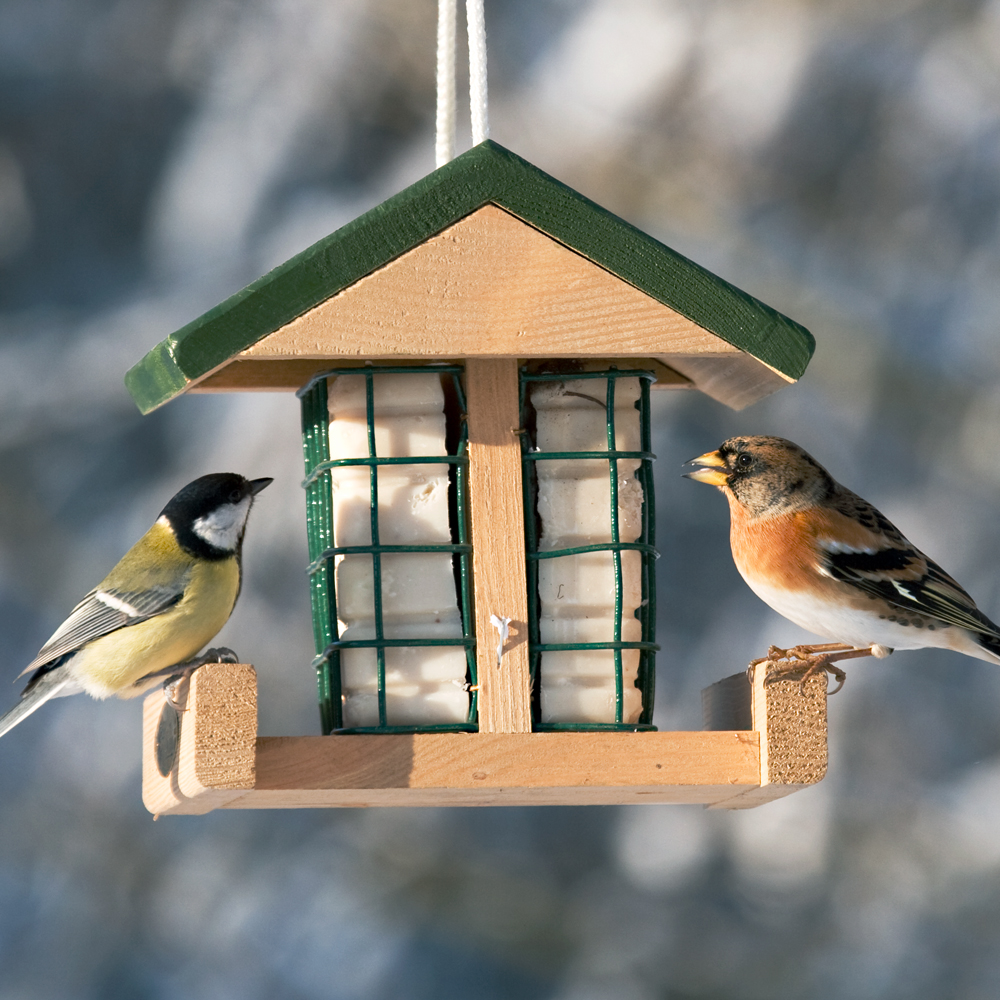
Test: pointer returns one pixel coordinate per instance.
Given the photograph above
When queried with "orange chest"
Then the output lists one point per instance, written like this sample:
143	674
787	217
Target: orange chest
780	550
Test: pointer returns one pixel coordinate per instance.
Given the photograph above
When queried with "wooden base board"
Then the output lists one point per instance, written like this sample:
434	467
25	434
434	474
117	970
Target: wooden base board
774	743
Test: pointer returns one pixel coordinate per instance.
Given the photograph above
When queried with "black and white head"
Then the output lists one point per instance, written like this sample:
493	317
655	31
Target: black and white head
209	516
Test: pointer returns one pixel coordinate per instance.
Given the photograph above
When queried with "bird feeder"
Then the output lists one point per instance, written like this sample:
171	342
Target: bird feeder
475	358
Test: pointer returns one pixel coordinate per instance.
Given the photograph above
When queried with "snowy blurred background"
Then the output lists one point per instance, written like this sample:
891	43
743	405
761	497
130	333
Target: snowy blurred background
839	160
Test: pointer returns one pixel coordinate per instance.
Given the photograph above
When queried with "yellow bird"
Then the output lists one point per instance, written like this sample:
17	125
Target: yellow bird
166	599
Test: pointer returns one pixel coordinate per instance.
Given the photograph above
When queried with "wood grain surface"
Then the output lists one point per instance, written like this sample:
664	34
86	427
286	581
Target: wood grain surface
498	559
216	758
489	285
222	766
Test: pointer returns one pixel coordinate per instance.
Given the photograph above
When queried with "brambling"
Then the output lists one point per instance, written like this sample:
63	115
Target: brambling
829	561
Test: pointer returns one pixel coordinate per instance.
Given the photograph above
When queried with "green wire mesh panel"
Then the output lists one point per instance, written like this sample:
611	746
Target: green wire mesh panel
566	465
325	555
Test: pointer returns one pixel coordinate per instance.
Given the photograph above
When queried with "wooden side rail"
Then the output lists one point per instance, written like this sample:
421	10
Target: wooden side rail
773	743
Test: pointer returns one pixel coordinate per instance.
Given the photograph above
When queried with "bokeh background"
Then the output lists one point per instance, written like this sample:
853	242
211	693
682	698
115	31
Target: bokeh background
840	160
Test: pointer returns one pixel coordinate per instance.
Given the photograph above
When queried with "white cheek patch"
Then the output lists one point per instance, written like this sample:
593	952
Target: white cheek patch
223	527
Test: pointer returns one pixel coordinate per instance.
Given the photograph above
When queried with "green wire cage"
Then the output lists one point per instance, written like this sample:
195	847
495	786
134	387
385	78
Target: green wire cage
323	553
532	456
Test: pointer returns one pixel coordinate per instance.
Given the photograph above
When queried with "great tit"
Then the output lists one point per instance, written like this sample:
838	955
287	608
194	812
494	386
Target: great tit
167	597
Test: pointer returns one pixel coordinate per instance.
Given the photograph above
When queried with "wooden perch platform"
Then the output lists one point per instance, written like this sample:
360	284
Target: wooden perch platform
761	741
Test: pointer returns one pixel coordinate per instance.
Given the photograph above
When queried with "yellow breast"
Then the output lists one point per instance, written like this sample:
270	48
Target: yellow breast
115	663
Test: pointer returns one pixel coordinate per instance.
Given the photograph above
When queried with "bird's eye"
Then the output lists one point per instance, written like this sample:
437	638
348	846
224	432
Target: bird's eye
744	461
235	496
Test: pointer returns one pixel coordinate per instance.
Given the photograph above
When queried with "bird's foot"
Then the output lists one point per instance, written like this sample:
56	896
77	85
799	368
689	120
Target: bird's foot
218	654
801	653
822	663
815	659
784	667
182	671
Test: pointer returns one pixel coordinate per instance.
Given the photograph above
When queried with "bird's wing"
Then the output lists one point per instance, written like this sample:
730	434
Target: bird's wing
883	563
105	610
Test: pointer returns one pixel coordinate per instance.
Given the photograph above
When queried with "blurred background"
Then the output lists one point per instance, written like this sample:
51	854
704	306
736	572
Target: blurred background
839	160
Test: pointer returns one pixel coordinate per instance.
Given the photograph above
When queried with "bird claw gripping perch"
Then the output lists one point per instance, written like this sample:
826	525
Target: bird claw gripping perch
815	658
180	671
219	654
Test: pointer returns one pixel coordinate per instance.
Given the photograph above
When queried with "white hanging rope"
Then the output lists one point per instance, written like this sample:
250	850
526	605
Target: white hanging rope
476	18
444	145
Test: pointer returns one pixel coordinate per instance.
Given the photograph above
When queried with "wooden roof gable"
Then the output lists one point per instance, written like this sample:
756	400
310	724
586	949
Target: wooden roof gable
486	256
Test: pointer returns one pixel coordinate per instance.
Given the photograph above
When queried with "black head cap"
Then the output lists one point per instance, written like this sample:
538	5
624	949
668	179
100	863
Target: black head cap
189	508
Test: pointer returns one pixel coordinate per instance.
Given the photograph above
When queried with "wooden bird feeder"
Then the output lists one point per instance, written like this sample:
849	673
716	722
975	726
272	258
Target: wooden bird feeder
474	358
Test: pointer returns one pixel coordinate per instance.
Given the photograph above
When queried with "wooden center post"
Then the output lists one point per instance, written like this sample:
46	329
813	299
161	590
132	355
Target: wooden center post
498	559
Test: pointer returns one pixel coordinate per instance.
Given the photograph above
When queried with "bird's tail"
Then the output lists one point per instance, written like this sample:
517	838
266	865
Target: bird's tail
990	642
50	684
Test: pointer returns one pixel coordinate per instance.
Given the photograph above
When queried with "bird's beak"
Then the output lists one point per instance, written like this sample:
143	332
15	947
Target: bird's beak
714	472
256	485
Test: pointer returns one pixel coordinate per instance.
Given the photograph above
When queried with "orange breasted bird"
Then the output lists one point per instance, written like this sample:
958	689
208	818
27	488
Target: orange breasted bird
830	562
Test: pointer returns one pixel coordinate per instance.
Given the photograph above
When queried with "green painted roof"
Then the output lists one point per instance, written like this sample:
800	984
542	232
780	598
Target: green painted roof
485	174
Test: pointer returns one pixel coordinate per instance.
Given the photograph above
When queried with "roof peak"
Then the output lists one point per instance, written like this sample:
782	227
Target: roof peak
486	173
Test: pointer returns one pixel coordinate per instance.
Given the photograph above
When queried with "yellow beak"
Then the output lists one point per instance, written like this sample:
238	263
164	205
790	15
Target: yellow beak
714	474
